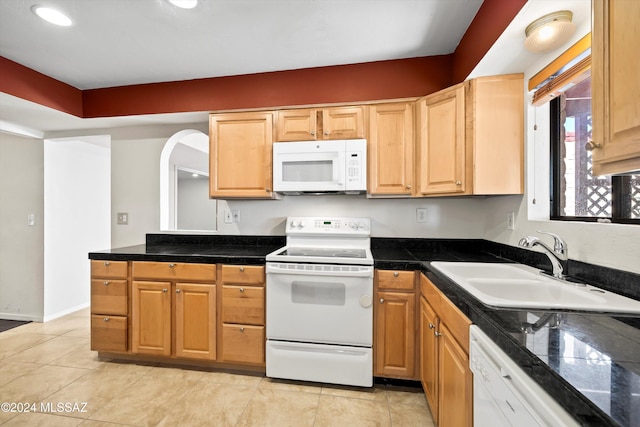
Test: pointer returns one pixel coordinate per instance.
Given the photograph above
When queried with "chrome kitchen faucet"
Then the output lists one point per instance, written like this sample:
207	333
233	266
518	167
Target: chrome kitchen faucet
558	256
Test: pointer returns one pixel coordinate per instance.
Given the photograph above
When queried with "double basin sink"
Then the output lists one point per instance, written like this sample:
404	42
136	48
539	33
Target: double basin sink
521	286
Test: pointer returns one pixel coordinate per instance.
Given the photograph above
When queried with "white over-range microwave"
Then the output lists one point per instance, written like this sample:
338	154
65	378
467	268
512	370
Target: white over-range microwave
305	167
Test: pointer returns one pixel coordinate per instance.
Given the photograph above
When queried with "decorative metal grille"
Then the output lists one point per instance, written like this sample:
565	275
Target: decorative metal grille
593	194
635	196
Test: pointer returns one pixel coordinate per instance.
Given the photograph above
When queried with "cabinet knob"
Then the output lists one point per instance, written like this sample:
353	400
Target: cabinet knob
268	190
381	300
106	319
241	290
106	282
241	269
312	133
106	263
326	132
171	265
409	187
177	291
165	290
590	145
431	326
437	334
241	329
458	182
396	274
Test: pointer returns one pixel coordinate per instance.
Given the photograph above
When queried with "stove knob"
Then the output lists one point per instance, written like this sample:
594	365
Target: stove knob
300	224
294	223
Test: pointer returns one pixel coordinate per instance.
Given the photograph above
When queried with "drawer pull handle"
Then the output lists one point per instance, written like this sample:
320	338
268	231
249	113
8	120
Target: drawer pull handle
107	263
241	269
241	290
106	282
171	265
177	291
431	326
396	274
165	290
106	319
241	329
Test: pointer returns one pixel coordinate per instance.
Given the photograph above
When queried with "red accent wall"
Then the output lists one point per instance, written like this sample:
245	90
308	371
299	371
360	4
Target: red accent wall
487	26
25	83
343	83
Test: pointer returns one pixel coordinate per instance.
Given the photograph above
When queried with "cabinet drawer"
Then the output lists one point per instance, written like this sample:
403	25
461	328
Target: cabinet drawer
243	343
391	279
174	270
243	305
108	333
109	296
243	274
109	269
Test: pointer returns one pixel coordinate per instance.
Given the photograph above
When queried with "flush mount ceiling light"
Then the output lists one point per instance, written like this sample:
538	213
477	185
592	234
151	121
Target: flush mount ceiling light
52	16
549	32
184	4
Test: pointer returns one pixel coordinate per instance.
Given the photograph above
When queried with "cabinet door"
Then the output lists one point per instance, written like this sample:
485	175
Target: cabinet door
455	383
429	324
151	318
394	346
343	123
195	332
391	143
615	86
296	125
442	142
240	155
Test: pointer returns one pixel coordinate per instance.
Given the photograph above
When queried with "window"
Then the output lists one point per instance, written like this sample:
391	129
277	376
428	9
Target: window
575	193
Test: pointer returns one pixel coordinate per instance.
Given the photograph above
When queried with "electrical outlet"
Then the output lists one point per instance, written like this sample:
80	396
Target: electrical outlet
511	221
421	214
235	215
123	218
228	218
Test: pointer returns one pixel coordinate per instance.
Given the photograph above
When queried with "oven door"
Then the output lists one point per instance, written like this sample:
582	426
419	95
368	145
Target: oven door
329	304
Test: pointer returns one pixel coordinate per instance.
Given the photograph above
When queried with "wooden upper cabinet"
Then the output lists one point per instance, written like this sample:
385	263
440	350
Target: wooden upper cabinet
615	86
441	130
240	155
471	138
391	144
312	124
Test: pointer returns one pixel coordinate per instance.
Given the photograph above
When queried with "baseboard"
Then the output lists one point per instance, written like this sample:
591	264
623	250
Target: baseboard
64	312
20	316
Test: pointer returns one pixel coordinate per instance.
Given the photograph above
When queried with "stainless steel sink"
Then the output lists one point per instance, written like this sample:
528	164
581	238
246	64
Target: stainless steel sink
521	286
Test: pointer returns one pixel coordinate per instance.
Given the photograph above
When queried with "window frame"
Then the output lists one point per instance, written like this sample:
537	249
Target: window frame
620	199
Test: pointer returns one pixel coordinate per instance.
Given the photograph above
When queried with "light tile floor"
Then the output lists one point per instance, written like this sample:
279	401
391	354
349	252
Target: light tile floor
44	365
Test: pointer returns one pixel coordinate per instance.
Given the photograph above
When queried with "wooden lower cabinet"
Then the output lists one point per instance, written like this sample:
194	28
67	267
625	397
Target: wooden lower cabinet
195	332
170	317
243	314
109	306
444	358
151	318
394	325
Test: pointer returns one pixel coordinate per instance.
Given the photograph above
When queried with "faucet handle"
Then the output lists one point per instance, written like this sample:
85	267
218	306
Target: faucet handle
559	245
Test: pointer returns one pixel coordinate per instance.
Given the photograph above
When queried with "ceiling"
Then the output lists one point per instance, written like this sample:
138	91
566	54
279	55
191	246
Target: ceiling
125	42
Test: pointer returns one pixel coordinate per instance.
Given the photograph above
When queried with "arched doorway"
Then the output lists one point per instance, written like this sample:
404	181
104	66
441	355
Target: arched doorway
184	172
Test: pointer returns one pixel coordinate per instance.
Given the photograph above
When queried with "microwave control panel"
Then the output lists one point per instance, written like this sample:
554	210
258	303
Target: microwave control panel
355	164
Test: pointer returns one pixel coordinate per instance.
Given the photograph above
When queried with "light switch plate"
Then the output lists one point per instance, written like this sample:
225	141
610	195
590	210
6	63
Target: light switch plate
511	221
123	218
421	214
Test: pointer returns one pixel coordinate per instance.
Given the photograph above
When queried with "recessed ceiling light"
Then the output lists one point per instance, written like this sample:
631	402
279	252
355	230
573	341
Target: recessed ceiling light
195	175
184	4
52	15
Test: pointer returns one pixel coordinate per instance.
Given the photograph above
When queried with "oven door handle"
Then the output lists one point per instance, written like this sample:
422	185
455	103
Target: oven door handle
320	270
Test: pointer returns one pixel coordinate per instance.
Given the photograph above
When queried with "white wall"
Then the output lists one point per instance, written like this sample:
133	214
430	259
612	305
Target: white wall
194	209
21	245
77	201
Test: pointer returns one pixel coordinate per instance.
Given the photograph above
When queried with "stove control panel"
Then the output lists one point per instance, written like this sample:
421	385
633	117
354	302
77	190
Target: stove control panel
328	225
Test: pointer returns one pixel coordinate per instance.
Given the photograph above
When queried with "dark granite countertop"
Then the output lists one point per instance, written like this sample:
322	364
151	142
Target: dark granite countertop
588	362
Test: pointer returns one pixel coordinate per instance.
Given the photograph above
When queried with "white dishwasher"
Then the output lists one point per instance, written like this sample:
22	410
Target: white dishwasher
503	395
